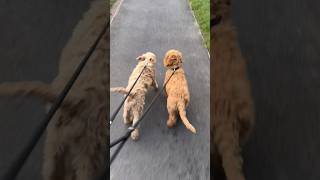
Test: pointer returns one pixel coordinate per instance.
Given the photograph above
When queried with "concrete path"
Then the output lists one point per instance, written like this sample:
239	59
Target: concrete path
32	36
161	153
282	43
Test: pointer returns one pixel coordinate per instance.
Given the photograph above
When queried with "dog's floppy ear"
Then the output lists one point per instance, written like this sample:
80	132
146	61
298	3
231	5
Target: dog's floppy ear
153	59
141	58
180	56
165	60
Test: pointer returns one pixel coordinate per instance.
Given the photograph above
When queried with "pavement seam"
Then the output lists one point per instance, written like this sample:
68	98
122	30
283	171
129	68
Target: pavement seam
198	26
116	11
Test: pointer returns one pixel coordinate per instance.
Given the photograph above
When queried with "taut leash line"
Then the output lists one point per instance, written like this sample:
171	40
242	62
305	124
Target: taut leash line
121	104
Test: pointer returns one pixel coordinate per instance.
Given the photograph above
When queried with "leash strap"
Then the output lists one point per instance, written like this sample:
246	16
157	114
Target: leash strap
121	104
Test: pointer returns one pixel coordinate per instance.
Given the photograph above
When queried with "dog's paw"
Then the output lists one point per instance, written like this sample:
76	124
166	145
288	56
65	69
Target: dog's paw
135	135
170	123
126	121
156	87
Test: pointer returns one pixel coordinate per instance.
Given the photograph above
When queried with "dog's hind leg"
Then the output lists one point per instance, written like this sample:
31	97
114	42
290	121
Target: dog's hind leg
155	84
245	118
127	116
227	142
172	119
136	117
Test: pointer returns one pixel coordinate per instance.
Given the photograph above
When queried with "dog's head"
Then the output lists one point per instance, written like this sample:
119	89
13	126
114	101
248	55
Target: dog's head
221	11
148	57
172	59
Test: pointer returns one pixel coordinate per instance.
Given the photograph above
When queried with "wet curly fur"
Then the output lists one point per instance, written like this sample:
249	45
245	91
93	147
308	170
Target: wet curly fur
232	106
133	106
177	91
76	142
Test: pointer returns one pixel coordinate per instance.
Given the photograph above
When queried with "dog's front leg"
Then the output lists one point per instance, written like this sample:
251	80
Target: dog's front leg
126	112
155	84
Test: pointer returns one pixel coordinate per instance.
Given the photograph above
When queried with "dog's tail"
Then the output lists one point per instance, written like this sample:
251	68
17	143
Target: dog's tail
32	88
119	90
183	116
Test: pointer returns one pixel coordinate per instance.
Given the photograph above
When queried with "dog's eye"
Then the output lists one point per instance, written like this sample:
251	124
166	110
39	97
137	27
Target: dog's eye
150	59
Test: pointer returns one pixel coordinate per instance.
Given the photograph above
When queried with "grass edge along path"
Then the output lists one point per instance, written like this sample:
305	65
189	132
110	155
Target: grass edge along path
201	10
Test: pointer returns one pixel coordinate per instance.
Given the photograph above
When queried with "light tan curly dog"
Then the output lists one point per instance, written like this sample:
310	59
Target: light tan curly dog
76	142
176	90
133	107
232	105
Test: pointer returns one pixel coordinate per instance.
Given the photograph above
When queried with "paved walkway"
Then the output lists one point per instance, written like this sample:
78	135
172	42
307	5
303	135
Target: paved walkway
161	153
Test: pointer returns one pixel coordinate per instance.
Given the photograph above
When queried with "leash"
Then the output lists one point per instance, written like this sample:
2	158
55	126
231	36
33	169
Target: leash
122	140
17	164
125	98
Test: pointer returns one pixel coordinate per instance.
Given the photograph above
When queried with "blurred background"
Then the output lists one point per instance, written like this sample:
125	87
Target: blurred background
281	41
32	36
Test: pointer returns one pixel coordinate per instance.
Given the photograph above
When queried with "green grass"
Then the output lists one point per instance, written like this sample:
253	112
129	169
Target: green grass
112	2
201	9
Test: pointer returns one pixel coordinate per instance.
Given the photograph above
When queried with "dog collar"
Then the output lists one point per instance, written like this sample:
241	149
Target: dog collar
175	68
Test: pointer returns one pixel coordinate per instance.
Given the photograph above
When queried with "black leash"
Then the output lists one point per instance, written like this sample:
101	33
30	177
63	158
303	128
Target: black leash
16	166
122	140
121	104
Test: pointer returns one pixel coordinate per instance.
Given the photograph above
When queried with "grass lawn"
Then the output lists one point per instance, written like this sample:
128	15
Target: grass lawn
201	9
112	2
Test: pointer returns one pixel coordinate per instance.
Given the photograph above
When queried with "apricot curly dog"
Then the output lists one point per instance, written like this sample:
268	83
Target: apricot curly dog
176	89
232	104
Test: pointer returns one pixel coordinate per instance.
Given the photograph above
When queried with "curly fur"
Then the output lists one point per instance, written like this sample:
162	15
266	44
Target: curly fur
176	90
232	105
133	107
75	146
